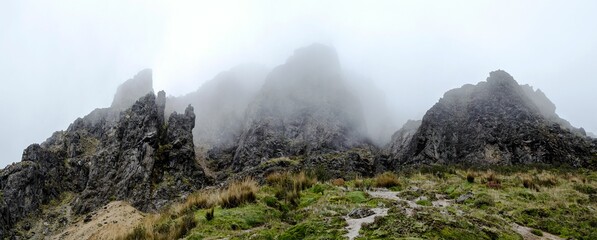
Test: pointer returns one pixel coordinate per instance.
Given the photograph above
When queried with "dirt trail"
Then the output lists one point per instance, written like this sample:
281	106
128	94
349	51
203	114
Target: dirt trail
108	222
528	235
525	232
412	204
354	225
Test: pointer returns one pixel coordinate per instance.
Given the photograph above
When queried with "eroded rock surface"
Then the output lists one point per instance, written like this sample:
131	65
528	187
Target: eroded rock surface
133	155
221	104
303	108
131	90
494	122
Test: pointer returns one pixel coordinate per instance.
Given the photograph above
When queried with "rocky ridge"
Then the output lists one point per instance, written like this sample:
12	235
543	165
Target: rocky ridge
133	155
303	108
222	103
493	122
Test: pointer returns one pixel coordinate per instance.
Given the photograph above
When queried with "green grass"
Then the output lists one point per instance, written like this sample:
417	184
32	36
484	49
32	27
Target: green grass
563	204
424	202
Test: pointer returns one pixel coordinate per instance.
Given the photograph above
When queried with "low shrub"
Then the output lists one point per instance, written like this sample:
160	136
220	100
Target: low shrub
491	176
160	227
339	182
470	177
301	181
239	192
139	233
530	184
209	214
288	185
318	188
199	200
386	180
424	202
494	185
537	232
546	179
187	223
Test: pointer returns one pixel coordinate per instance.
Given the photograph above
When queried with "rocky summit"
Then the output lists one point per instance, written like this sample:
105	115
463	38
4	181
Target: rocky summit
496	121
131	90
303	108
133	155
222	103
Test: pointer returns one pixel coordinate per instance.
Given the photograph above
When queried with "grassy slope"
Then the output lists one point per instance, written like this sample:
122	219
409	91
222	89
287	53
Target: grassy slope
561	203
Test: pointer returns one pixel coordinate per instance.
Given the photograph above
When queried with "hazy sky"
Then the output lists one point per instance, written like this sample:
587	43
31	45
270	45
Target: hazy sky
61	59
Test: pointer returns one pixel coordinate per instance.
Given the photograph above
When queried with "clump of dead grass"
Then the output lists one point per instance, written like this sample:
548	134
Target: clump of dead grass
386	180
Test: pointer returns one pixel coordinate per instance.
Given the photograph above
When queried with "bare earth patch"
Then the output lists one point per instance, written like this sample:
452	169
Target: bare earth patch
354	225
108	222
526	233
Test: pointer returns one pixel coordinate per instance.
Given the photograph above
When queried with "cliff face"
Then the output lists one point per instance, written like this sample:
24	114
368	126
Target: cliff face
133	155
303	108
131	90
494	122
221	104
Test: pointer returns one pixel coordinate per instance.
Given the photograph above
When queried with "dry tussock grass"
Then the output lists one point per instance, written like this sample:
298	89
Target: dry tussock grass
339	182
238	193
289	185
177	220
386	180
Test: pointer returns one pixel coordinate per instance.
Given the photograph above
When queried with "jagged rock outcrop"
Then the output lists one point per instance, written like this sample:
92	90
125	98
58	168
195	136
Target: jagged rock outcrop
493	122
402	137
133	89
132	155
221	104
146	161
303	108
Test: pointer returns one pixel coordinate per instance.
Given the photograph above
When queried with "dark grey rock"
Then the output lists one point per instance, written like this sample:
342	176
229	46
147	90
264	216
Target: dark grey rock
360	213
493	122
462	198
304	108
131	90
221	104
132	155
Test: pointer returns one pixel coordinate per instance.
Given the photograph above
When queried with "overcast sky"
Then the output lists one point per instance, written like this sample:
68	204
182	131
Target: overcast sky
59	60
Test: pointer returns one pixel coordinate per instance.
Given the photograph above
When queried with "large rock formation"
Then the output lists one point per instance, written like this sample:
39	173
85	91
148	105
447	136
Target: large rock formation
131	90
221	104
493	122
303	108
379	118
133	155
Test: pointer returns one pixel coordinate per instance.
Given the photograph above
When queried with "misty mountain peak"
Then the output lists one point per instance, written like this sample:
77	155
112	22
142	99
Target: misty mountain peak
316	59
304	107
134	88
500	77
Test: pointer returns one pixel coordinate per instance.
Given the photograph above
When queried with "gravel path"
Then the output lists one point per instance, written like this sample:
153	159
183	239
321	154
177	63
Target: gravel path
354	225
